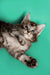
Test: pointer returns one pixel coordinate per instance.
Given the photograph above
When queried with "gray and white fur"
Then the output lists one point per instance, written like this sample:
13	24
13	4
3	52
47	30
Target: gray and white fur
17	39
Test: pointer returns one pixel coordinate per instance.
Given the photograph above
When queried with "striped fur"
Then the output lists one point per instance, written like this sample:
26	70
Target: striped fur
15	40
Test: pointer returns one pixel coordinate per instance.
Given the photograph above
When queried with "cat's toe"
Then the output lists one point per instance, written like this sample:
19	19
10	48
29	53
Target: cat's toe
32	63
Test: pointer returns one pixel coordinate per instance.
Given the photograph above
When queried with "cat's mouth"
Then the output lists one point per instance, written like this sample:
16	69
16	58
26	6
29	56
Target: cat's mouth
34	40
30	37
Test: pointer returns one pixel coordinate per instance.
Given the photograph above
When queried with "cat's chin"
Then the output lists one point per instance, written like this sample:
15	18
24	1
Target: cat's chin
34	41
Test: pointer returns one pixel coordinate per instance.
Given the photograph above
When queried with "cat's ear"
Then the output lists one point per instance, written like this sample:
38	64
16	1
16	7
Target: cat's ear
26	18
40	29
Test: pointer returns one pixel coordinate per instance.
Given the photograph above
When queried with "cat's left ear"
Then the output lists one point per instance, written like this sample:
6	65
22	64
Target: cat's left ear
40	29
26	18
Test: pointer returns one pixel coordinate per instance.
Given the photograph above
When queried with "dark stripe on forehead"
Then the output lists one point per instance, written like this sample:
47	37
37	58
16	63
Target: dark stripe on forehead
33	23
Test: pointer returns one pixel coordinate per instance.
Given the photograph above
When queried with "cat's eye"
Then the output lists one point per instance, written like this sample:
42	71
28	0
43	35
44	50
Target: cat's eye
32	31
26	26
31	24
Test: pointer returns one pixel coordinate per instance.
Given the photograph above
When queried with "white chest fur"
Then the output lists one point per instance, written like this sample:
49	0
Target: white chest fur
12	43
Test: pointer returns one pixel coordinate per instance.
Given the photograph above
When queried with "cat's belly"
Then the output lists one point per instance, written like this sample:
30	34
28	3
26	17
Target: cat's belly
11	43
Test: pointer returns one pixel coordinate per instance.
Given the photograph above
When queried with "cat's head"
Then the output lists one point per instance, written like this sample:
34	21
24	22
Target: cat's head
31	29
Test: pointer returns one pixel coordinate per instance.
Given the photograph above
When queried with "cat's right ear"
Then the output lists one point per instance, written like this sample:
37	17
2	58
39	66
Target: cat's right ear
26	18
40	29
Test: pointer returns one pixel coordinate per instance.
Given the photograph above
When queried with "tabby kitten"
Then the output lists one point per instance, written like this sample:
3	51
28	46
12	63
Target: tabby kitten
17	39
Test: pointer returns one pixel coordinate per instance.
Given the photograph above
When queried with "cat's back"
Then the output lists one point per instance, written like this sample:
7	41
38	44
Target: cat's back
6	26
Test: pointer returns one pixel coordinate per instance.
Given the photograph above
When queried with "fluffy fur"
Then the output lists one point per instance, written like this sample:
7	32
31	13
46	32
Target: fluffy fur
17	39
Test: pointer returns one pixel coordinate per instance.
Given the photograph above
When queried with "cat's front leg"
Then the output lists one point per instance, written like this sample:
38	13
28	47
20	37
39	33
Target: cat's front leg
27	60
20	40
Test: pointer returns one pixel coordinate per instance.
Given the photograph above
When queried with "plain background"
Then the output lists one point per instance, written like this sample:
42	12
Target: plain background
11	11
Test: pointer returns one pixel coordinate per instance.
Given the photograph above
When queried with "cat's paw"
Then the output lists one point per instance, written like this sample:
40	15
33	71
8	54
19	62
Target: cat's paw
32	63
22	42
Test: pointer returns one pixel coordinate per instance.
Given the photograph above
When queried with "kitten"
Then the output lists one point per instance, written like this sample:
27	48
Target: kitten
17	39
